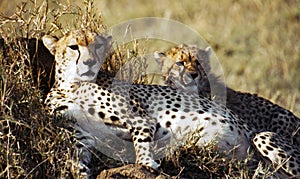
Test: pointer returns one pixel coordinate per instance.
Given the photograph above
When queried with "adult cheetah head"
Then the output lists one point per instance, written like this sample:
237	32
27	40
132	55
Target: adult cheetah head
78	55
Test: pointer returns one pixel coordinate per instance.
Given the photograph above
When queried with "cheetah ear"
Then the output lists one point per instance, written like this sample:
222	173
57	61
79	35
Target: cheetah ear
108	39
158	57
208	50
50	43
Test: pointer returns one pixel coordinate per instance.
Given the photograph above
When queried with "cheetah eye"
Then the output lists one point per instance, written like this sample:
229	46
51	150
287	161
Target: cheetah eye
180	63
74	47
97	46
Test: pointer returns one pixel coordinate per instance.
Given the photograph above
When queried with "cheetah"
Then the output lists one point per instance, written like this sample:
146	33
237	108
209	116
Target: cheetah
140	113
188	67
89	50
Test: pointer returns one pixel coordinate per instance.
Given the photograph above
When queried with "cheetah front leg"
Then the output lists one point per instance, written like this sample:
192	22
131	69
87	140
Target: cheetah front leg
143	139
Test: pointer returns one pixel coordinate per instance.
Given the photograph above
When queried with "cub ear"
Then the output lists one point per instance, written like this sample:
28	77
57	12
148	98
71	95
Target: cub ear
158	57
208	50
108	39
50	43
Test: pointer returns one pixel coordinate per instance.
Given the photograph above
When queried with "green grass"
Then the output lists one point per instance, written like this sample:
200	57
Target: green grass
257	44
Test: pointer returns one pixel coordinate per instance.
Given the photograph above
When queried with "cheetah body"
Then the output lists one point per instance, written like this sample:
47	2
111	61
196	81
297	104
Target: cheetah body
278	137
141	113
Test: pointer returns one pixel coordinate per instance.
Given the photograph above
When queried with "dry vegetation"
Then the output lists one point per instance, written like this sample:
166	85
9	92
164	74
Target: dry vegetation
261	39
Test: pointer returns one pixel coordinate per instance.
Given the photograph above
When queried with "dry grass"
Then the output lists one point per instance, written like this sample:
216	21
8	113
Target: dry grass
260	39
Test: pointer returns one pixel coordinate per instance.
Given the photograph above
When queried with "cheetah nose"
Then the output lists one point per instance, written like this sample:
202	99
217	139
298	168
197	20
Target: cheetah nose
194	75
89	62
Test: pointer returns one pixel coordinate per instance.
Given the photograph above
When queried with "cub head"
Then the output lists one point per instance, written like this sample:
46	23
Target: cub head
184	65
78	55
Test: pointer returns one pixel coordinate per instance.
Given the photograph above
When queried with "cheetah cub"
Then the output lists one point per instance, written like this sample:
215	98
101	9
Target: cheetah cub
278	130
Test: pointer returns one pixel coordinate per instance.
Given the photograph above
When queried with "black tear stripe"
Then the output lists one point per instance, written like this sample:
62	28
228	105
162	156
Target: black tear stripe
79	54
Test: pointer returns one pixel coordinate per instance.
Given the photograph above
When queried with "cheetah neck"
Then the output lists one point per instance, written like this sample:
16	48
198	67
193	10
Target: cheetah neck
62	82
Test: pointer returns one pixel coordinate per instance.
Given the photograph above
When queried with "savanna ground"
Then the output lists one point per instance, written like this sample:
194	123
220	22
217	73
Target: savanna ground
256	42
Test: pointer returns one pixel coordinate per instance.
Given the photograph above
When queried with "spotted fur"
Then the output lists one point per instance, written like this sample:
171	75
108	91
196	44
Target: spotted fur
79	54
187	67
143	114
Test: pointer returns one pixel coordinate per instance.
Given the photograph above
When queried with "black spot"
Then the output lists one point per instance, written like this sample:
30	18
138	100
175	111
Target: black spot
123	111
101	114
169	102
294	172
213	123
131	130
259	145
147	139
157	126
281	155
263	137
116	112
114	118
200	111
222	121
146	130
140	121
168	124
175	110
201	129
271	144
207	118
186	110
167	112
131	103
91	111
134	109
173	116
266	152
177	105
